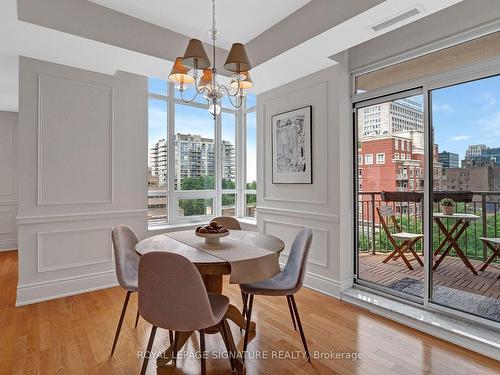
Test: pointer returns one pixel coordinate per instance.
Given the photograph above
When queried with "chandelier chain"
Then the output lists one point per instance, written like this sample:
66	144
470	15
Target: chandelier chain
213	31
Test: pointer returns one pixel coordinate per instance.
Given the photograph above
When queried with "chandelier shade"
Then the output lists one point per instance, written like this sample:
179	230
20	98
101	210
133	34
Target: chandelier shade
246	83
205	81
179	73
195	55
237	60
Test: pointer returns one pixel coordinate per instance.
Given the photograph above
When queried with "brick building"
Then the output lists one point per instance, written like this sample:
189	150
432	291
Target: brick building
392	162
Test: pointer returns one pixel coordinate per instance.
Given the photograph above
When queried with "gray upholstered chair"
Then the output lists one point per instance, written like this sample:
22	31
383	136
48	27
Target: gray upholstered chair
228	221
177	300
286	283
127	263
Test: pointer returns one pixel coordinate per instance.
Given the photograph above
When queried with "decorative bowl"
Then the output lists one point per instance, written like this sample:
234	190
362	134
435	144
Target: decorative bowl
212	238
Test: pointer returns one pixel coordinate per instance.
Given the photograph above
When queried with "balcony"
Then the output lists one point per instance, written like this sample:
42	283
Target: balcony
451	276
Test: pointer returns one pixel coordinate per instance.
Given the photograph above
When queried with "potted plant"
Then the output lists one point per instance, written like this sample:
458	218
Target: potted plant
447	206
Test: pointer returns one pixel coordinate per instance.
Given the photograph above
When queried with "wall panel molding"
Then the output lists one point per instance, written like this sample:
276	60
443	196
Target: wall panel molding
58	262
8	203
318	262
44	82
299	213
7	144
317	96
79	216
7	216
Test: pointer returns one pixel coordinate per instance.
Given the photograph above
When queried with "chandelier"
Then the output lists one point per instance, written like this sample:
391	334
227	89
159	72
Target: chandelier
187	69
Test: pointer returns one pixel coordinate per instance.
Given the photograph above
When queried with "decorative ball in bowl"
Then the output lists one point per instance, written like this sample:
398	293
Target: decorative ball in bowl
212	232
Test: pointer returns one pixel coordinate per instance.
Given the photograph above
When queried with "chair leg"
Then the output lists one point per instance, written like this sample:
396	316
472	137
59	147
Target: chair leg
244	296
225	337
137	318
170	336
291	312
245	302
176	339
249	316
302	336
148	350
202	349
120	322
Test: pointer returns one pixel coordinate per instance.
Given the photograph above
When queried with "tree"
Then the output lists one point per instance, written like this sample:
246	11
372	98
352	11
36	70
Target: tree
252	185
198	183
193	207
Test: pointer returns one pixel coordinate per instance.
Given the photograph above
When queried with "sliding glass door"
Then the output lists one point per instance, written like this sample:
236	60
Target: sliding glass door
465	272
440	142
390	184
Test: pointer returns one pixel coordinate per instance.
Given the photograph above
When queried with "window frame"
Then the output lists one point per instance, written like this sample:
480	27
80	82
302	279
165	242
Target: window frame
173	196
243	188
369	156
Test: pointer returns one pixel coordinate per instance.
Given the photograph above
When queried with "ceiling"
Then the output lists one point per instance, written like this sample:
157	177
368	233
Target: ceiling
237	20
47	42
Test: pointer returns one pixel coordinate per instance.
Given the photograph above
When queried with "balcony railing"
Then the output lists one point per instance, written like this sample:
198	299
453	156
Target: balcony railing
409	214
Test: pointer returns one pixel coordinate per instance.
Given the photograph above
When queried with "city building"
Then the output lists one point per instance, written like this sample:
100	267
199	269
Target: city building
474	175
449	159
228	161
483	154
194	157
392	162
385	118
158	162
475	150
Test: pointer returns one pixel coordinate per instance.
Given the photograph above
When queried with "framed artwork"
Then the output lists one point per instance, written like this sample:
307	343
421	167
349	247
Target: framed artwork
292	146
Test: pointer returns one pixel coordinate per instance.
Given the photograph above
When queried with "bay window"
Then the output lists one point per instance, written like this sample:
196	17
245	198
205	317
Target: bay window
198	167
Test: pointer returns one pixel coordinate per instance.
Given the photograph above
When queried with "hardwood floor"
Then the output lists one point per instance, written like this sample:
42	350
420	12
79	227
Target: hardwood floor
73	335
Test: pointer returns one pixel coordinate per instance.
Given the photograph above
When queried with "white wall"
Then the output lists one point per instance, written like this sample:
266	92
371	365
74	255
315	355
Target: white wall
82	162
8	180
284	209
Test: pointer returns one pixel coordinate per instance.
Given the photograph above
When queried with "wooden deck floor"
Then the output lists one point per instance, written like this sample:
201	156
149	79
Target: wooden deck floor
451	273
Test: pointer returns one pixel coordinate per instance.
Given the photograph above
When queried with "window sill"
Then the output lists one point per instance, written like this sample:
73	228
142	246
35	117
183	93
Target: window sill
246	223
467	334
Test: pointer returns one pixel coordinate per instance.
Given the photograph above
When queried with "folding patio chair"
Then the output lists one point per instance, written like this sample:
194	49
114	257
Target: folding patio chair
494	245
408	240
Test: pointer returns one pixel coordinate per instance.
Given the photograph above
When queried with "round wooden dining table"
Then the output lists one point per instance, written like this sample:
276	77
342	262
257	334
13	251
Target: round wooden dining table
212	269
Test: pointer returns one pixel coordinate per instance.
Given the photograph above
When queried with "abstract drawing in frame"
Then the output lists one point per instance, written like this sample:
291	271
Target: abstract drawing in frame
292	146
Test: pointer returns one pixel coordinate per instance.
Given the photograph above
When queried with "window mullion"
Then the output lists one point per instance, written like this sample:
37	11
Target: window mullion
240	162
172	204
218	166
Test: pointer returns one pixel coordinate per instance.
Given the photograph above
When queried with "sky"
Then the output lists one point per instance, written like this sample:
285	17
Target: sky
192	120
467	114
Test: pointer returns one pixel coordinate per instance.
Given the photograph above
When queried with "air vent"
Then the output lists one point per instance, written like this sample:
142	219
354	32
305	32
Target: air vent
400	17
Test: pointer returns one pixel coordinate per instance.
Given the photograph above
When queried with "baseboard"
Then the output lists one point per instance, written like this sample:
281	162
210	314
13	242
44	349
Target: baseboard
53	289
8	245
326	285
